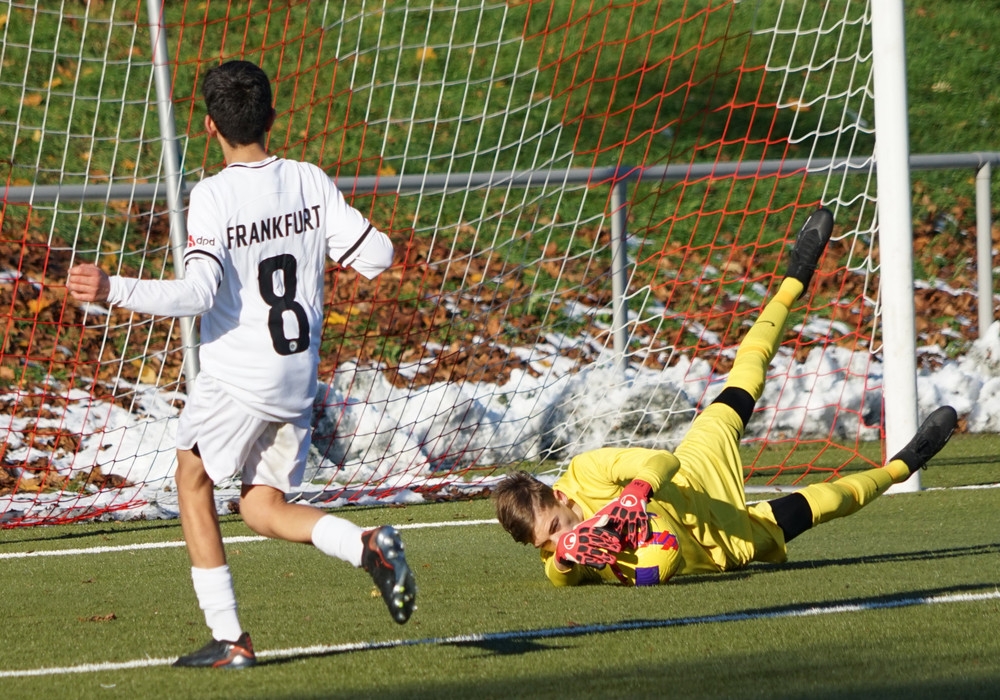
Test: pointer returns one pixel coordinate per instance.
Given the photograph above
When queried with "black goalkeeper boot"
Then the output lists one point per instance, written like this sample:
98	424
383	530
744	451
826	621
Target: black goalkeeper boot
931	436
809	246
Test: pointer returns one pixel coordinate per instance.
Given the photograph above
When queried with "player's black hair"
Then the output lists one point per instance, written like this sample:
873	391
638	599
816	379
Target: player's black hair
238	97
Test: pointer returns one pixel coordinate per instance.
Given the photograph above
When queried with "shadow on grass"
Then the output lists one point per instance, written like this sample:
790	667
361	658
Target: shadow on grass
891	557
516	642
140	526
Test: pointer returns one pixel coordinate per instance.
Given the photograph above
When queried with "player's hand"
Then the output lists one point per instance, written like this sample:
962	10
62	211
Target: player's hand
589	544
88	283
627	513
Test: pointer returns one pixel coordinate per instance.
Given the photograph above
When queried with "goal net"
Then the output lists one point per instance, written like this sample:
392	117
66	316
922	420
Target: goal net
590	203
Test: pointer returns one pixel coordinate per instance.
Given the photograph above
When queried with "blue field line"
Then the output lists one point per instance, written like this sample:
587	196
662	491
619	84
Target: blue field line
486	638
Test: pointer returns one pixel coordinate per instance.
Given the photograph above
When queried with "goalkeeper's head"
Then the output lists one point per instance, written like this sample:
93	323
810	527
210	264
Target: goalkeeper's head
238	98
532	511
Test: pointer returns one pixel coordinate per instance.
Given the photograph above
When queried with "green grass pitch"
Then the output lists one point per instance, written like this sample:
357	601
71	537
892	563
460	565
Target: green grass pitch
900	600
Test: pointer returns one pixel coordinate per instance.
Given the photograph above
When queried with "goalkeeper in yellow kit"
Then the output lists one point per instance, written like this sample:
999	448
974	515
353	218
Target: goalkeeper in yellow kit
640	516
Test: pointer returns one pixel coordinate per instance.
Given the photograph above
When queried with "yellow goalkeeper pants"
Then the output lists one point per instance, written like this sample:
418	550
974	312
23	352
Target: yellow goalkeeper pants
711	471
817	503
745	383
849	494
709	452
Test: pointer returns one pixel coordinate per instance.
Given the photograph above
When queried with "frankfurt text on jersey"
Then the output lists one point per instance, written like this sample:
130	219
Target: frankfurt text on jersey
240	235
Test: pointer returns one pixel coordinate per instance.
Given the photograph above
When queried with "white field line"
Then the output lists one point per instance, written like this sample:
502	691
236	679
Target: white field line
180	543
546	633
412	526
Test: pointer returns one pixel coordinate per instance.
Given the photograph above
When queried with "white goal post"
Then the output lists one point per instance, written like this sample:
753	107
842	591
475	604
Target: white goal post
892	154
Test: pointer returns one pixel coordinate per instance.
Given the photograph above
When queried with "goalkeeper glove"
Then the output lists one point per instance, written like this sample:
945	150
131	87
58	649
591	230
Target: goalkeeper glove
627	513
589	543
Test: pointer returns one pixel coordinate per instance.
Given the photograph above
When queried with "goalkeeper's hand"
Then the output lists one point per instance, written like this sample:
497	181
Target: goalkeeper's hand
627	513
589	543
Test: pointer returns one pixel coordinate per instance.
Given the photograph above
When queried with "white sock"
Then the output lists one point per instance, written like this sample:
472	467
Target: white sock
214	588
339	538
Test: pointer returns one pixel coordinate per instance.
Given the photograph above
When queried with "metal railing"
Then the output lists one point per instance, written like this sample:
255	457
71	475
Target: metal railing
618	179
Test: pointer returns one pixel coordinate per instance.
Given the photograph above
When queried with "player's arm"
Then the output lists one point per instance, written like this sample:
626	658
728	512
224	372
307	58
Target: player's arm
643	472
373	254
653	467
190	296
352	240
560	574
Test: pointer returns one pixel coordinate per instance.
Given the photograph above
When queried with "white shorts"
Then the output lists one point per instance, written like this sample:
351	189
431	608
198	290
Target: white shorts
232	441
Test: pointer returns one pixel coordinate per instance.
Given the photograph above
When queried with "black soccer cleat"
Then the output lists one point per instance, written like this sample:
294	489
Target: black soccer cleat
810	242
383	559
216	654
931	436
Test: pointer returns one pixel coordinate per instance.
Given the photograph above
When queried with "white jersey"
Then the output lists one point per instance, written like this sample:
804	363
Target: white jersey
259	235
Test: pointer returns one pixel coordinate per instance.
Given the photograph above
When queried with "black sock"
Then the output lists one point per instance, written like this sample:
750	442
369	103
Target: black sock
739	400
793	515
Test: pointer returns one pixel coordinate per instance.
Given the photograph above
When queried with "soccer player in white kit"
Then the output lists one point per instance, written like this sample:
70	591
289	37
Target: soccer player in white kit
259	235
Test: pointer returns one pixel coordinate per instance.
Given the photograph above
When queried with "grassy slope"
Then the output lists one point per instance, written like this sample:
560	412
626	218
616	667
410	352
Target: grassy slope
953	80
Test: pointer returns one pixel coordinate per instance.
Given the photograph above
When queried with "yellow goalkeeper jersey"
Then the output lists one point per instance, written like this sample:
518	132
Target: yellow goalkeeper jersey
698	497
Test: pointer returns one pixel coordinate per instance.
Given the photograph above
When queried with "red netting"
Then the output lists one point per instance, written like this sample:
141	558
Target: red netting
491	341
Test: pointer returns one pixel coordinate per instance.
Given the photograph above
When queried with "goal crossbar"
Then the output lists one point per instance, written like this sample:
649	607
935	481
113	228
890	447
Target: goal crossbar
379	184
